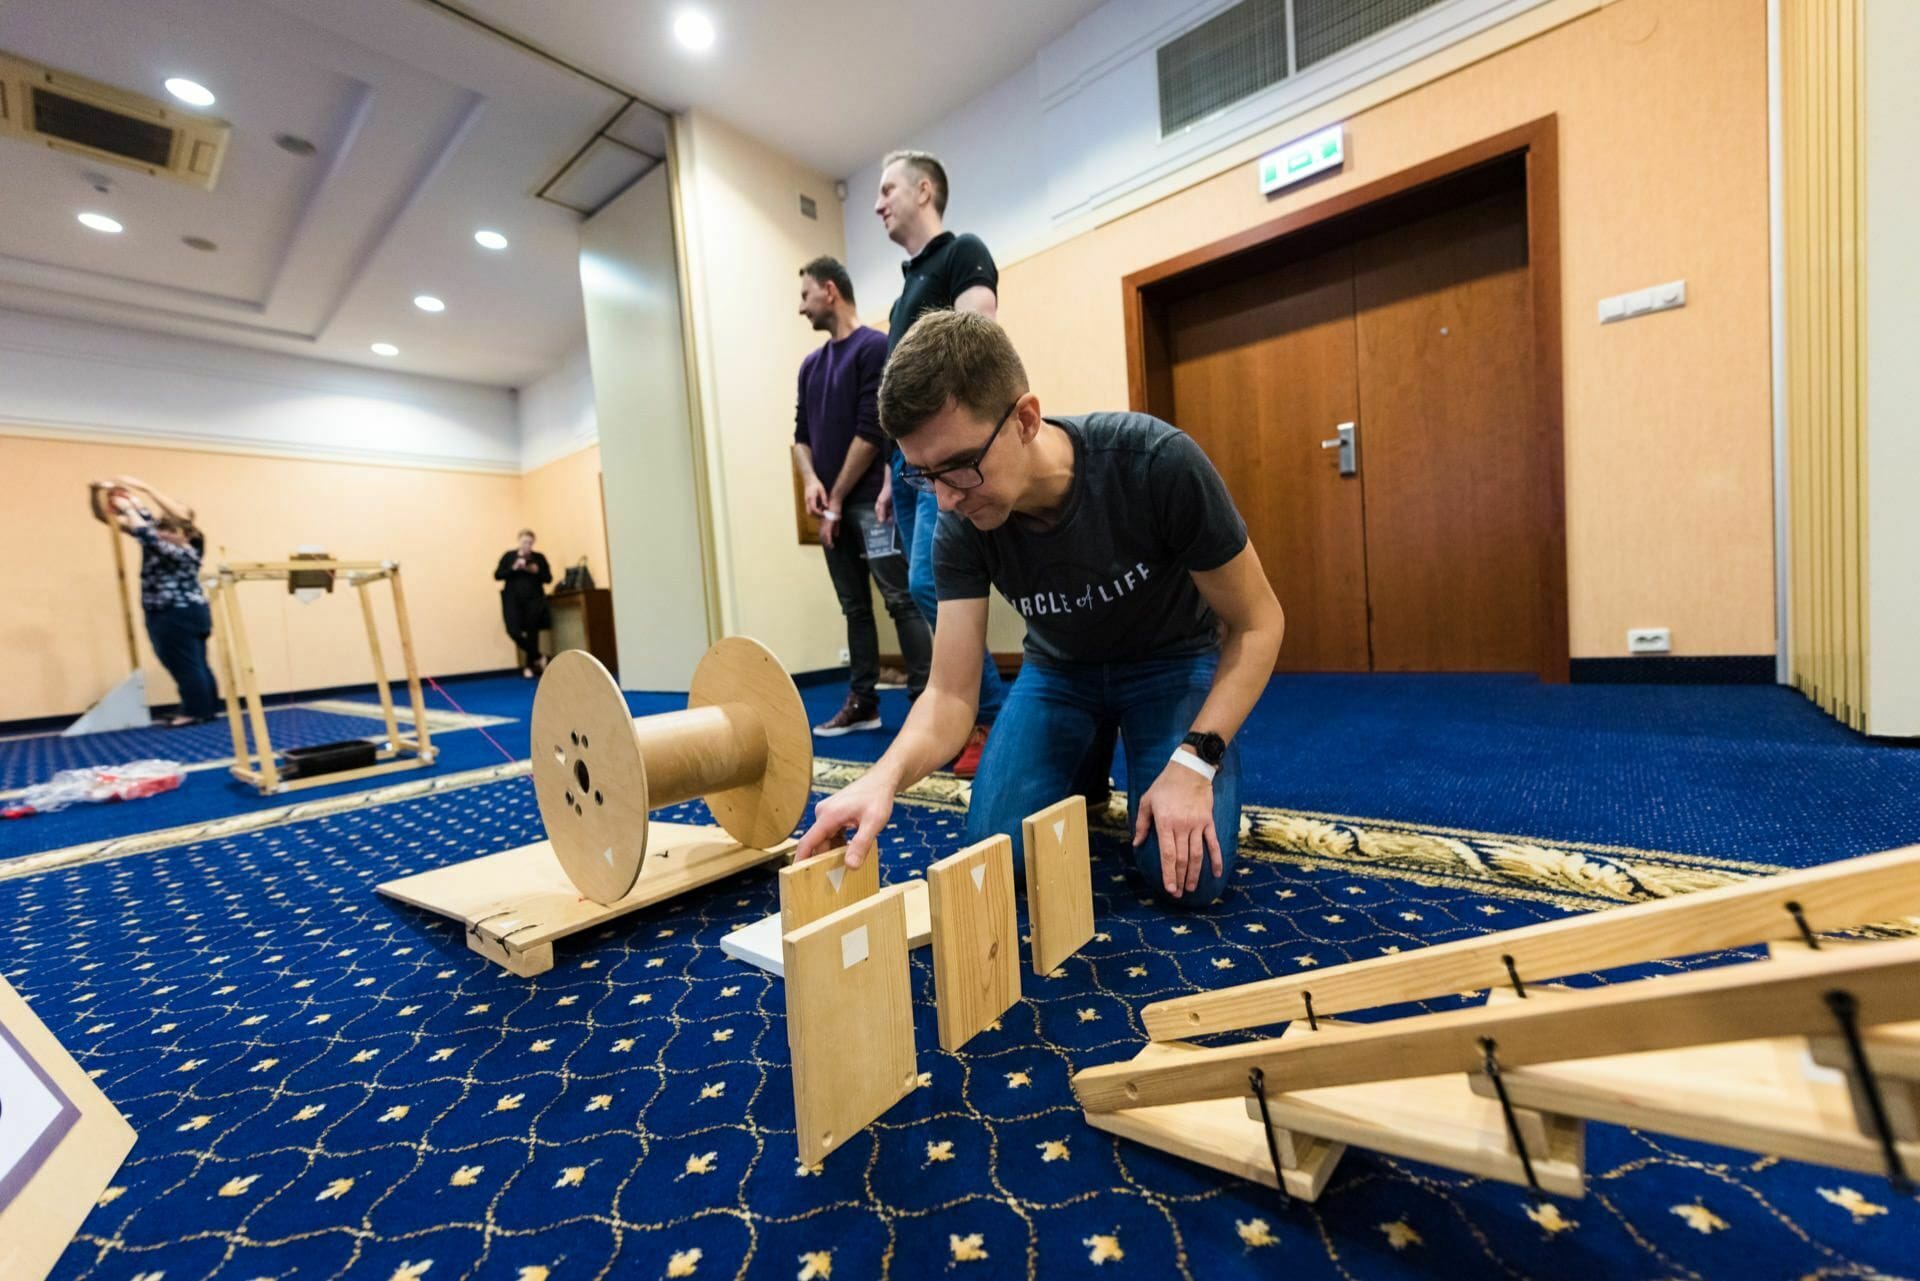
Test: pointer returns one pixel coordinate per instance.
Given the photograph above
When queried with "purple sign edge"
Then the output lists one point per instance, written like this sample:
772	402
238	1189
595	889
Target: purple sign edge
16	1179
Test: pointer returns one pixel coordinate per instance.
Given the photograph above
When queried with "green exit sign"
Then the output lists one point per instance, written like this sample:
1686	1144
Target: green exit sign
1317	153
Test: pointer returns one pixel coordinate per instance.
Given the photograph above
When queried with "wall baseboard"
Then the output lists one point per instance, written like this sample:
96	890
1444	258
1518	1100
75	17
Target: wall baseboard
1664	669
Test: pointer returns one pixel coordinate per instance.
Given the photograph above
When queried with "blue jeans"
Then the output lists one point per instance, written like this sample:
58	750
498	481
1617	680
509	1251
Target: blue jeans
916	518
1052	719
179	636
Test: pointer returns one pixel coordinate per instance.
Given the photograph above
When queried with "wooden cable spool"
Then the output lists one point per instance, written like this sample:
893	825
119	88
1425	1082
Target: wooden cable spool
743	745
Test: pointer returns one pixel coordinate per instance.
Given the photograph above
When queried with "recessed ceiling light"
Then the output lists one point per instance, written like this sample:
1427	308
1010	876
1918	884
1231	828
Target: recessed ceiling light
190	92
100	222
694	30
427	302
385	349
201	243
294	144
490	239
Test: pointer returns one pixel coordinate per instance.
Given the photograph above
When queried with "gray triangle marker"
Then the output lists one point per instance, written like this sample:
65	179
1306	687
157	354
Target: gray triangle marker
979	876
607	854
836	876
1060	830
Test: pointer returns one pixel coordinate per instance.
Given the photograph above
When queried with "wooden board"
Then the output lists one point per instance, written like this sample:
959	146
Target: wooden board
1059	881
760	942
849	1021
1763	1096
976	940
1852	892
47	1193
1733	1002
822	885
517	903
1217	1133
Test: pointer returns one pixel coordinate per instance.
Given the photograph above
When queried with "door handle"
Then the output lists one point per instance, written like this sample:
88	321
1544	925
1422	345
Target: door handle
1344	443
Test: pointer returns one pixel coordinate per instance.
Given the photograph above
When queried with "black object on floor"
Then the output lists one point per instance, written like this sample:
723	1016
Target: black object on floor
328	758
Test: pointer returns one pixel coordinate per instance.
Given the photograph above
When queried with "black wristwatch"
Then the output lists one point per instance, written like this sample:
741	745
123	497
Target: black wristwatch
1210	748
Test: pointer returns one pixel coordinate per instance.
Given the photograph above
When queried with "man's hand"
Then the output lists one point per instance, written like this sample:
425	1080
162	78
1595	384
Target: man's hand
883	505
1179	808
814	495
829	528
864	806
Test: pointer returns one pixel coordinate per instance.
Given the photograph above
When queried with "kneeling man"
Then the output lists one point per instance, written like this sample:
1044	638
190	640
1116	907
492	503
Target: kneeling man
1145	606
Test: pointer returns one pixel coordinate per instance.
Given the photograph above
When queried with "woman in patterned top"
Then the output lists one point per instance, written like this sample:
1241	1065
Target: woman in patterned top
178	621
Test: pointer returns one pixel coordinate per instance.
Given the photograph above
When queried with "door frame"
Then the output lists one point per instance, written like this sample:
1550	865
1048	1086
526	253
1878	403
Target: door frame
1145	295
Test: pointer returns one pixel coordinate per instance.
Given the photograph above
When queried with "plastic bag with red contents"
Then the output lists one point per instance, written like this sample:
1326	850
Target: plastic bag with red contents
127	782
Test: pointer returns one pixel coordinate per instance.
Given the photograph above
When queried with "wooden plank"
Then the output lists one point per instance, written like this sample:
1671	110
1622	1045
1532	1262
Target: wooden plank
1762	1095
379	663
822	885
1730	1003
516	904
249	691
976	940
849	1020
758	943
1437	1119
216	609
348	775
281	568
79	1151
1218	1134
1053	848
1855	891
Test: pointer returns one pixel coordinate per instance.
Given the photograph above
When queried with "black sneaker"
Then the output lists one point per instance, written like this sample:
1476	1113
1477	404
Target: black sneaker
854	714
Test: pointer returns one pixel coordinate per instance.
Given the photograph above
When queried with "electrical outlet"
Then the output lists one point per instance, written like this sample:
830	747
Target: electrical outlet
1649	640
845	657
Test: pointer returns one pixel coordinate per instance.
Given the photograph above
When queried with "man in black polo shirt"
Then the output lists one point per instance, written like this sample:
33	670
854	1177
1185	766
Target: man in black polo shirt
942	271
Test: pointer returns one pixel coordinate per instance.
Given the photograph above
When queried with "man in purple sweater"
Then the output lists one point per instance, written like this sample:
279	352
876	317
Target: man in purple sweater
836	434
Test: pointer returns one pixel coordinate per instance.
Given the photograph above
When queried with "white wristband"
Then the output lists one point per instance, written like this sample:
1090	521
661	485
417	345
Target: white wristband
1186	756
829	515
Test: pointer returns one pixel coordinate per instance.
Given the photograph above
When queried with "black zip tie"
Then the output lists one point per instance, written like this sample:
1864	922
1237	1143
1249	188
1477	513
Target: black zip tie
1806	931
1491	1066
1519	988
1258	1080
1313	1024
1846	1011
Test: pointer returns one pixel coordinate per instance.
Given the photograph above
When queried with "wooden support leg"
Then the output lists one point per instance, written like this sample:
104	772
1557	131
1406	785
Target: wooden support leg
849	1020
229	683
976	942
379	666
267	773
414	695
1059	881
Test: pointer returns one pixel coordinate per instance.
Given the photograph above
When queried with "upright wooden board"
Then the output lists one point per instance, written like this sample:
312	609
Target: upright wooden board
976	940
1059	881
60	1143
849	1020
517	903
1218	1134
821	886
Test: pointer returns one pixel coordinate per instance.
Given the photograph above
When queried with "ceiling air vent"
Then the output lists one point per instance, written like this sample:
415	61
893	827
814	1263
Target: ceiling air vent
70	113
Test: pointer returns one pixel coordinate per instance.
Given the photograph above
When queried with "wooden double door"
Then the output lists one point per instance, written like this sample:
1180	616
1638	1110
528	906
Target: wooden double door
1418	336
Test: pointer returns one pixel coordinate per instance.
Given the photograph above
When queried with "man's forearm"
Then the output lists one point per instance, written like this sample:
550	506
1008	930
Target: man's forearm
860	456
803	461
1246	663
935	731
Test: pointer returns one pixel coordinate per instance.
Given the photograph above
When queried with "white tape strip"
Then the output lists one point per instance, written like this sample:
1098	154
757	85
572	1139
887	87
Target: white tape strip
853	947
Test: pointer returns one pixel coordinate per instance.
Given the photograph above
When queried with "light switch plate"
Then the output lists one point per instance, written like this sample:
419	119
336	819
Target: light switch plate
1649	640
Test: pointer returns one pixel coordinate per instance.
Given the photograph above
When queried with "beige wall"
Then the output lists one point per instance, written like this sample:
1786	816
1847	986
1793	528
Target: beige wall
1662	112
61	628
746	242
561	502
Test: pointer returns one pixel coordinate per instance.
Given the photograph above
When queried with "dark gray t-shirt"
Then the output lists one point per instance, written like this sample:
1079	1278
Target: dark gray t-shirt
1110	580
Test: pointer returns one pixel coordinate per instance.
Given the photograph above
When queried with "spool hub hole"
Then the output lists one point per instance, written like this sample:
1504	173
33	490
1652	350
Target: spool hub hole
582	777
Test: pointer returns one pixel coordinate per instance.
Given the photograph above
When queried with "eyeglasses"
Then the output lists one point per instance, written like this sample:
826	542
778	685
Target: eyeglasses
961	475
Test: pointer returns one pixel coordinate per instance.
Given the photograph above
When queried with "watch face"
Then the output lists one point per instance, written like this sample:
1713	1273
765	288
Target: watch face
1210	748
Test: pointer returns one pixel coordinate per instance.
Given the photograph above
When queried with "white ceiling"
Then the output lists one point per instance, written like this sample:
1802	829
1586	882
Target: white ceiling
832	83
427	127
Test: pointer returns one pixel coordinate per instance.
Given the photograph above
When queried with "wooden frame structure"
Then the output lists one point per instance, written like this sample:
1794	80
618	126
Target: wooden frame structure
255	763
1717	1054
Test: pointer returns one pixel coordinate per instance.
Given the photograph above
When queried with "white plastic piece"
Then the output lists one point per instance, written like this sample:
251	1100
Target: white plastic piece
853	947
124	707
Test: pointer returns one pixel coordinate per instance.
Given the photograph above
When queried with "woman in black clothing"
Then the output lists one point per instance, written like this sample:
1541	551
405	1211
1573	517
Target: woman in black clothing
178	621
523	576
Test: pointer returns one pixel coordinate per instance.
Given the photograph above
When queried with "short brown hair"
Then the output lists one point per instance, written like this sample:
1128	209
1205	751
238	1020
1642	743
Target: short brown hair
924	163
828	270
949	357
525	533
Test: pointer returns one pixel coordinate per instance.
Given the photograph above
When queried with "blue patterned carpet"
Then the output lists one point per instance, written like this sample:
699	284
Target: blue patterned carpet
326	1083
